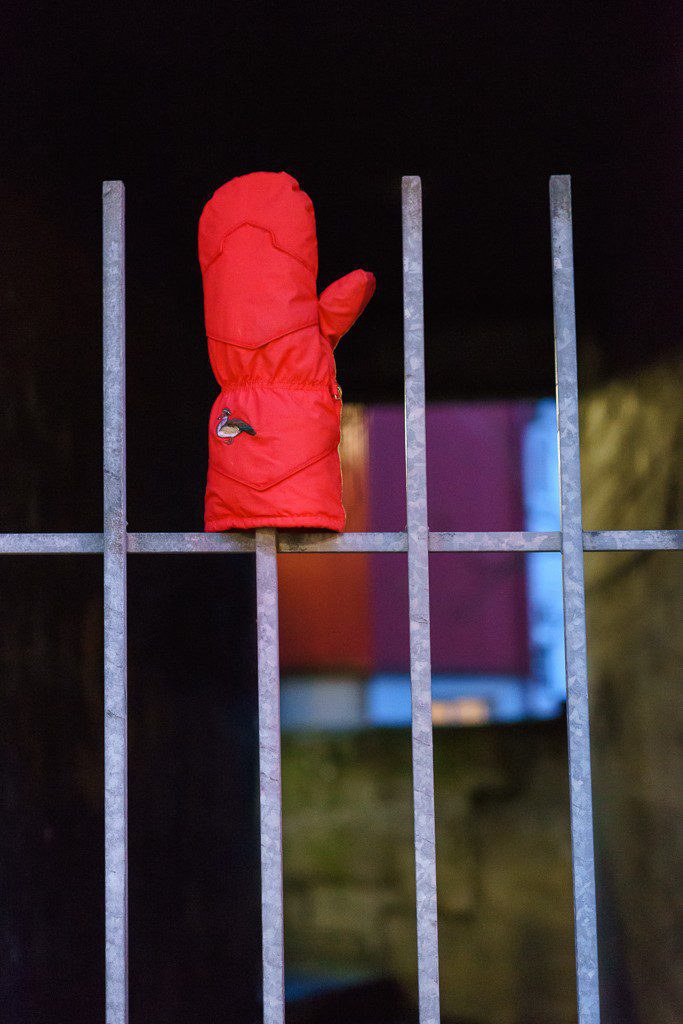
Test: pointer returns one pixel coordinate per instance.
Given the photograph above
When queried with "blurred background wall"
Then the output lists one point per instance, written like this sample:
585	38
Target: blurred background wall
632	431
502	811
503	859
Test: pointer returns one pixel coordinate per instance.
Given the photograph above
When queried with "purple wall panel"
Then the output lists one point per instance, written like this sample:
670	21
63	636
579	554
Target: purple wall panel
478	602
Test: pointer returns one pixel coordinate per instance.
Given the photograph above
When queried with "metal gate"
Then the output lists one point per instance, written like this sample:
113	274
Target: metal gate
115	543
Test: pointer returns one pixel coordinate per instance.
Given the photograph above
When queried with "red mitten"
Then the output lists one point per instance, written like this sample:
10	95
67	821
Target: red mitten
274	428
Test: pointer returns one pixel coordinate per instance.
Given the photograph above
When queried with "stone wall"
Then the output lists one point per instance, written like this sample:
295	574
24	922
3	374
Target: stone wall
631	441
503	863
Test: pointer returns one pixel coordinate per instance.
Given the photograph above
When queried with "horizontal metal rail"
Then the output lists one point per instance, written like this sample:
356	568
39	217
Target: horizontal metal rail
346	543
632	540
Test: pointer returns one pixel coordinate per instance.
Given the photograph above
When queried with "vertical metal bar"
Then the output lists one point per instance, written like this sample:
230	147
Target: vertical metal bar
270	777
574	602
418	586
115	602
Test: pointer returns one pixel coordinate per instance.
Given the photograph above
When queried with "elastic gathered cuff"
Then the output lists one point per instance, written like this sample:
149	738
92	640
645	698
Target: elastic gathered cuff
311	522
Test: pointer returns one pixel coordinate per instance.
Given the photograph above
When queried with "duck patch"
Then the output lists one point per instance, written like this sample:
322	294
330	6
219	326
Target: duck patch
229	428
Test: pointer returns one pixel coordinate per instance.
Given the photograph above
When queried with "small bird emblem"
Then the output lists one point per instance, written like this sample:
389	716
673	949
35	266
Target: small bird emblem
228	429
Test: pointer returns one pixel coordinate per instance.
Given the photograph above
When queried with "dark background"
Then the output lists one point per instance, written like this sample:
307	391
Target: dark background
484	102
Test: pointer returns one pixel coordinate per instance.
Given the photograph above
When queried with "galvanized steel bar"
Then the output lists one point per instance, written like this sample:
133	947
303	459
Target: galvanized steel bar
115	631
632	540
515	541
289	542
418	588
235	543
311	543
51	543
581	801
272	913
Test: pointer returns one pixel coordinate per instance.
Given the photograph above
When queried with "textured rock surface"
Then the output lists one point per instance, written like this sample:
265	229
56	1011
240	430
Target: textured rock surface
503	866
632	459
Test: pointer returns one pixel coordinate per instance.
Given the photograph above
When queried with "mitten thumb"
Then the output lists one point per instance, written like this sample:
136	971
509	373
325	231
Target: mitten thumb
340	305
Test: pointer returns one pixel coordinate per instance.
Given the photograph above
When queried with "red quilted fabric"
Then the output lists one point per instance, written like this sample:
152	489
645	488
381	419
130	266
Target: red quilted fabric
274	428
